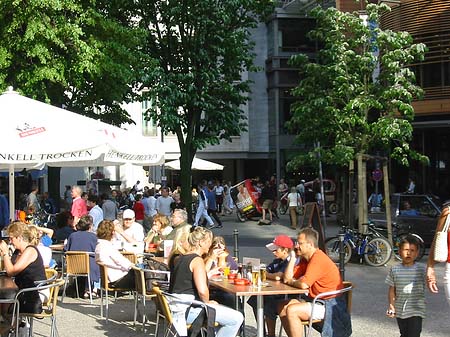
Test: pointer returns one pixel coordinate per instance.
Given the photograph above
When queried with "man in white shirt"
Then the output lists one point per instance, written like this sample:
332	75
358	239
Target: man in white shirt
95	212
131	233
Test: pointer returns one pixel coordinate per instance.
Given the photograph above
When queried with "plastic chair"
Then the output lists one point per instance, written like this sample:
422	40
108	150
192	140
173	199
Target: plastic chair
141	294
77	264
48	309
105	288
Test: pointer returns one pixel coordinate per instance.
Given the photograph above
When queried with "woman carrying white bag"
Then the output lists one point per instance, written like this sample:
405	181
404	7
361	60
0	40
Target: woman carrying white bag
440	252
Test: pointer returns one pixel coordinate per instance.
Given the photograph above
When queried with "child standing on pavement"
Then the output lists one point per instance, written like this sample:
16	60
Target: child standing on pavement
406	293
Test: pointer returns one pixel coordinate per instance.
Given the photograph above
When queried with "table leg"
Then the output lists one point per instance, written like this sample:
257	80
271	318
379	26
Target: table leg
260	315
240	306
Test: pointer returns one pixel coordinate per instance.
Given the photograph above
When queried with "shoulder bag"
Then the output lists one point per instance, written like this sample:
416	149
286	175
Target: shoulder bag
440	245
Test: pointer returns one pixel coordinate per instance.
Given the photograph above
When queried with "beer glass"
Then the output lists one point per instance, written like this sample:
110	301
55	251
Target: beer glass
255	276
263	273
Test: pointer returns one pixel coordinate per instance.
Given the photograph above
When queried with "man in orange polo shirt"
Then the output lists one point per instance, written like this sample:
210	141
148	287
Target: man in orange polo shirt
317	273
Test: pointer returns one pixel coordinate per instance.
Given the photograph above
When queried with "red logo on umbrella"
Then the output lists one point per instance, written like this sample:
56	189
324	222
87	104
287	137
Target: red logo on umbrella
28	130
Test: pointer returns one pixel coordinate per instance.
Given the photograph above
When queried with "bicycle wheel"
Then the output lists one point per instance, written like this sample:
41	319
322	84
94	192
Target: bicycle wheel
333	208
332	250
396	247
378	252
282	208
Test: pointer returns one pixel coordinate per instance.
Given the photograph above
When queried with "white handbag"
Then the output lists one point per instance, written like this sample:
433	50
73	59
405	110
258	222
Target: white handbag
441	243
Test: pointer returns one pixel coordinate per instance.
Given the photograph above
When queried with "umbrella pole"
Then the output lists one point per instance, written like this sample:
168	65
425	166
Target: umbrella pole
12	193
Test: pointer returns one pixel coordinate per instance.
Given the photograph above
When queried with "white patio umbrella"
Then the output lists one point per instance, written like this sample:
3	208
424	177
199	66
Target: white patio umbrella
35	134
197	164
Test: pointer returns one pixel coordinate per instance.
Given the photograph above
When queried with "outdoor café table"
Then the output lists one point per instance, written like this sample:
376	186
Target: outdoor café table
271	288
59	247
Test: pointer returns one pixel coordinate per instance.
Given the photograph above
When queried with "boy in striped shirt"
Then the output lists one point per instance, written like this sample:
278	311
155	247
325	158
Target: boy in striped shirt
406	293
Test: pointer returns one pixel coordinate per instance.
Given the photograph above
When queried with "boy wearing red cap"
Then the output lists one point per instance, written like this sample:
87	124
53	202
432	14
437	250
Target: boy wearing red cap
281	248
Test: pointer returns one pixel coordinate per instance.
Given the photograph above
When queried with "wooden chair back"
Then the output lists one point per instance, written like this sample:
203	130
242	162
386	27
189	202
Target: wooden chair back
130	256
348	295
163	304
139	278
51	275
77	263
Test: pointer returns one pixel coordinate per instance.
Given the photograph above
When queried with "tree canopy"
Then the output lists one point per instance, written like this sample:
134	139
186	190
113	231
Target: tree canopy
201	48
356	95
79	54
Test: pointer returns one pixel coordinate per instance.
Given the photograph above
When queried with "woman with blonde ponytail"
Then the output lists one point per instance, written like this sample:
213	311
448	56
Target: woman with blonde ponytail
188	276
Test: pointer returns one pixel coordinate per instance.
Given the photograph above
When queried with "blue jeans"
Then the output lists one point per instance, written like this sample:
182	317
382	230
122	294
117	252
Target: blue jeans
229	320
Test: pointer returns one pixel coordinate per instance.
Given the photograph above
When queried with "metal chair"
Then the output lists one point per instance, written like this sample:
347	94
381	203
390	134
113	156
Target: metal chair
77	264
348	286
308	323
141	294
165	313
105	289
48	308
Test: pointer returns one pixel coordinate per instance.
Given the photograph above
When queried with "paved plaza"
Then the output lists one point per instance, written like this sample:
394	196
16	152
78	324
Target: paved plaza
76	317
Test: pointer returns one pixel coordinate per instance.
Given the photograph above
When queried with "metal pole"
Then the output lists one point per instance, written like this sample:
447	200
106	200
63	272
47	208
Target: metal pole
322	192
163	169
341	254
236	245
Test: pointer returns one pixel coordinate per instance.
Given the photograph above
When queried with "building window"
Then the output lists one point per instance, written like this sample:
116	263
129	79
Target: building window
149	127
292	35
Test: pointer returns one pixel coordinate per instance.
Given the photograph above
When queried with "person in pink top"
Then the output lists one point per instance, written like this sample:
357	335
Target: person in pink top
79	207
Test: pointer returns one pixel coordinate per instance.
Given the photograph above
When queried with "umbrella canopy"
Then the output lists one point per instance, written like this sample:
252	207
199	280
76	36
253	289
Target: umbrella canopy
35	134
197	164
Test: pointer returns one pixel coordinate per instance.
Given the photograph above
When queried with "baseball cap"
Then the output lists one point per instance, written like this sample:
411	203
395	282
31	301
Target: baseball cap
128	214
280	241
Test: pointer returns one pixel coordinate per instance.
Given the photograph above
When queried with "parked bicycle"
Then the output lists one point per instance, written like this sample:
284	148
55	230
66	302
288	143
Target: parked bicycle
376	250
398	233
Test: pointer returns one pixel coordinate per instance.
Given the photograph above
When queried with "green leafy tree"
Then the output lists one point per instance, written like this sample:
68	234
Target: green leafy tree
355	97
201	48
79	54
342	102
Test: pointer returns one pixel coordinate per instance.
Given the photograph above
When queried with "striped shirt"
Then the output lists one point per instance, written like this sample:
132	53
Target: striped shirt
409	283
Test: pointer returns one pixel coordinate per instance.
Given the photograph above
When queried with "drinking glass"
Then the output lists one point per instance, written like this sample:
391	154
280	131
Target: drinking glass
263	273
255	276
226	271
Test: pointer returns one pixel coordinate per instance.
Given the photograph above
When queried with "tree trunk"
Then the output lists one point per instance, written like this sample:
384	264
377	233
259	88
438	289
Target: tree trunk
351	208
54	178
186	157
387	199
362	193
